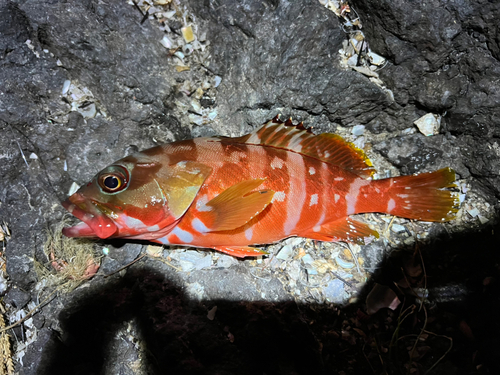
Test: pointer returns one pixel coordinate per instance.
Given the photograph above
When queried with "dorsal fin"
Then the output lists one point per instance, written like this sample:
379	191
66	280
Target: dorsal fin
330	148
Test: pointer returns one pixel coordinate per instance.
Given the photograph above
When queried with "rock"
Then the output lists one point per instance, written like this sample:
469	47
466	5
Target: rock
17	298
442	67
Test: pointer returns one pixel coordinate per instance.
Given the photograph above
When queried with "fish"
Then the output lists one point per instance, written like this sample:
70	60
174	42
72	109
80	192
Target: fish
234	194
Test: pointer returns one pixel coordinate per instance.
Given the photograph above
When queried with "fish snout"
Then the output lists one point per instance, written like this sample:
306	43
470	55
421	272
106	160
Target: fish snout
94	222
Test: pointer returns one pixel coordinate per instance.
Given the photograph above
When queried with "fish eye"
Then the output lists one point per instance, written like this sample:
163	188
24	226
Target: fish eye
112	182
113	179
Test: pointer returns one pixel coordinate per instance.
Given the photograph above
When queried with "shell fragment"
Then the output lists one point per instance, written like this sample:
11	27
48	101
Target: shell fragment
429	124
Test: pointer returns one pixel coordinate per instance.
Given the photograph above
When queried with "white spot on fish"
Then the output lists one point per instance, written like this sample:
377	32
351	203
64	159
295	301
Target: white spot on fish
352	196
277	163
403	196
249	234
154	228
132	222
163	240
199	226
298	193
336	197
237	156
312	171
201	204
279	196
391	205
182	235
317	227
339	179
314	200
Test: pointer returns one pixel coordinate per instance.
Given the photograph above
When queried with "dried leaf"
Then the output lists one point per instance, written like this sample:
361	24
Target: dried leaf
380	297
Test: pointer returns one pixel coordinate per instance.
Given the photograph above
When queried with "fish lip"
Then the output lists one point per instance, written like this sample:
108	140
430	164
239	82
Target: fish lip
94	222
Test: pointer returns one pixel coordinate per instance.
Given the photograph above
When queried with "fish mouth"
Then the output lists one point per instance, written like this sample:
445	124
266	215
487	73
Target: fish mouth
94	222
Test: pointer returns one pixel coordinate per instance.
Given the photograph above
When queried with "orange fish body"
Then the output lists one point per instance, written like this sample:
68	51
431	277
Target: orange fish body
230	193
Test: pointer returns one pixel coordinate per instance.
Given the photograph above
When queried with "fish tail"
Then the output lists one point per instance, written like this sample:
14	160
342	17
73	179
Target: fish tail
422	197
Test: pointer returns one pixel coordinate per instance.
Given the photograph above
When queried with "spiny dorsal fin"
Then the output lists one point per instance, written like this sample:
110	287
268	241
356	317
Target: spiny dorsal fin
330	148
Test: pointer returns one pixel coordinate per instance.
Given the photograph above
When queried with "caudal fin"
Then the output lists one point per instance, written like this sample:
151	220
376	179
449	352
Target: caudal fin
422	197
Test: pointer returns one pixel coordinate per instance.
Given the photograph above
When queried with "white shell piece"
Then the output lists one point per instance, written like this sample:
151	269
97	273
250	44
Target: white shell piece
166	42
73	188
358	130
66	85
196	106
375	59
353	60
179	54
366	71
88	111
429	124
169	14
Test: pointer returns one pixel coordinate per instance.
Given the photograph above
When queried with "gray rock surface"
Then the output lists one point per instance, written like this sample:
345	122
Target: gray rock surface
273	57
444	58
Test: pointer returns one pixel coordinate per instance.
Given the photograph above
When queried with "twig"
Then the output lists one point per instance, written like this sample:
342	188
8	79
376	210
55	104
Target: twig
167	263
127	265
32	311
449	349
20	149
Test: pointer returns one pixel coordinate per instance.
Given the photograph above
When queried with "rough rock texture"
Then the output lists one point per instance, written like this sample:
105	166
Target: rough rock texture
273	56
444	58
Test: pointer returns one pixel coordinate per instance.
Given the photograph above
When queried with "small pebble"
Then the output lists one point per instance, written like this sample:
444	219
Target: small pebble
473	212
429	124
211	313
226	261
396	228
307	259
358	130
285	252
482	219
66	86
335	292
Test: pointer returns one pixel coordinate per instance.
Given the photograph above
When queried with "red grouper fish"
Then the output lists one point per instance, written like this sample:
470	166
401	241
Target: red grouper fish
228	194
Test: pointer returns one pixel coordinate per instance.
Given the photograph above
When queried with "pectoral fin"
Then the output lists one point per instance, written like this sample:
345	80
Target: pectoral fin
344	229
236	206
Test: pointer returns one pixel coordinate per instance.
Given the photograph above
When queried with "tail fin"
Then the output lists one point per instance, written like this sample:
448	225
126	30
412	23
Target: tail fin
420	196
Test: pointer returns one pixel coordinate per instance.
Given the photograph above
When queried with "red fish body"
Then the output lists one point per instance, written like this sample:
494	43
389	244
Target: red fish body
231	193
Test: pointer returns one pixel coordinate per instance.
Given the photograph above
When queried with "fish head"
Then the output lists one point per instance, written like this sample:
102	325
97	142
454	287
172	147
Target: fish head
135	197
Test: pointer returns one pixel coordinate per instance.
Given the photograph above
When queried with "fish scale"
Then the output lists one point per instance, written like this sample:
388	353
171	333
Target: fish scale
230	194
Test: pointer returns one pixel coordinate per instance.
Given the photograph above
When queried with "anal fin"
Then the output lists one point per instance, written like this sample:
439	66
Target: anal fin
345	229
241	251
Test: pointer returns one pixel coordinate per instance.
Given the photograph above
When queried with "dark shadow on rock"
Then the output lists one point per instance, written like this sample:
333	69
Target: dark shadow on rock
176	336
